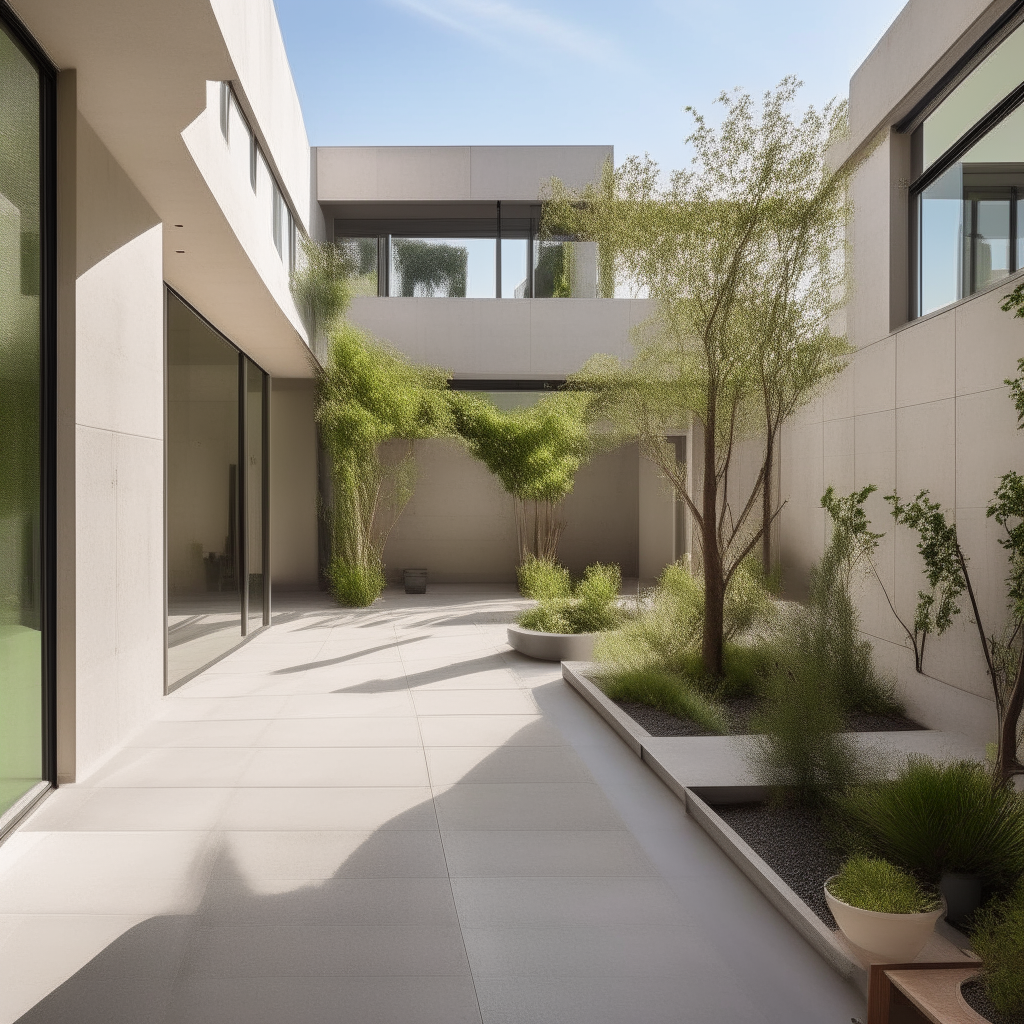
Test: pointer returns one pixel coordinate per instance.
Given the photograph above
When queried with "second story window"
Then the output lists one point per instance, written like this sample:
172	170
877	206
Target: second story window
966	203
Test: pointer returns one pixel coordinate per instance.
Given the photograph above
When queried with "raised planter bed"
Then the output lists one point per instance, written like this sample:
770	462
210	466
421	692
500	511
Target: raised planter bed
713	805
552	646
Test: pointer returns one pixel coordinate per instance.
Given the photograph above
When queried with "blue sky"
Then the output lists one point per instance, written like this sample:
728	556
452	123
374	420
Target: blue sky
449	72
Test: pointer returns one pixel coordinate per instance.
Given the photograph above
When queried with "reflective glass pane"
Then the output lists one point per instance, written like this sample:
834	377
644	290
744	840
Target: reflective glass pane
965	241
941	241
443	267
564	269
21	721
992	80
239	140
254	384
362	254
515	282
991	239
203	598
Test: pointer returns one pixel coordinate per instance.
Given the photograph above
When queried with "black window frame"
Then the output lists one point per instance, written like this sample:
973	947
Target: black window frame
48	403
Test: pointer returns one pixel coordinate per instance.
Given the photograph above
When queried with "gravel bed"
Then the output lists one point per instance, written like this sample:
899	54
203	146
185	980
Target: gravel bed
794	843
739	713
976	998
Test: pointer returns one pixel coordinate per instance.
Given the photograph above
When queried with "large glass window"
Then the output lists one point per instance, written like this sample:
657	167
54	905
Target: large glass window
969	232
21	456
445	267
216	486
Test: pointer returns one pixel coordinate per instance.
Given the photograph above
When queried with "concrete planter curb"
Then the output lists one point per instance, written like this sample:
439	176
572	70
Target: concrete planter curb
699	801
551	646
780	895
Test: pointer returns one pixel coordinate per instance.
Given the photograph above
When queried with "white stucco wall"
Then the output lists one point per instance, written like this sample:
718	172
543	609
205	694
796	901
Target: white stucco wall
119	384
506	338
460	524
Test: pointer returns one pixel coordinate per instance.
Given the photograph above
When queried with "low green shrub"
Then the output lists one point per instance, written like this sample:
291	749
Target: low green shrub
591	607
667	692
357	586
998	938
541	578
801	751
873	884
667	632
933	818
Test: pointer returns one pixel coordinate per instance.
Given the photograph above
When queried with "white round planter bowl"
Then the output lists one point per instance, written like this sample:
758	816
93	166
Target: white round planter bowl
552	646
896	938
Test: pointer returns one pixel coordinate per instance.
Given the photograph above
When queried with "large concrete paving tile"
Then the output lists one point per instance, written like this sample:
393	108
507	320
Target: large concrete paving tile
548	805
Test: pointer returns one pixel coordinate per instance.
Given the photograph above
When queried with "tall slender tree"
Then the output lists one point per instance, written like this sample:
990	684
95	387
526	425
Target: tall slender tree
706	247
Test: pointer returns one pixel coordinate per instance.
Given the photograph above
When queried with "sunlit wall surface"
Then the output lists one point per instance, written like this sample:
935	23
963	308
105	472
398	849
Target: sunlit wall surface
21	677
216	477
968	196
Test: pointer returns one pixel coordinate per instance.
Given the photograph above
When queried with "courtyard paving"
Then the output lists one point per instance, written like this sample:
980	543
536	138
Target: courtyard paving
384	816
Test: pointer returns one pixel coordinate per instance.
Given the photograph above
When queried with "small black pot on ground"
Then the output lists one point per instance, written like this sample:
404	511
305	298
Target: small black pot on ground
415	581
962	894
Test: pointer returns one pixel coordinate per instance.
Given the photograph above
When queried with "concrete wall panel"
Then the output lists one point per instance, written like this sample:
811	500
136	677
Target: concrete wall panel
119	574
453	173
293	486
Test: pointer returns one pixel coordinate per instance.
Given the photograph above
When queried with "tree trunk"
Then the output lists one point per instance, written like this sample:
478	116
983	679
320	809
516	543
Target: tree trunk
1007	764
766	504
714	582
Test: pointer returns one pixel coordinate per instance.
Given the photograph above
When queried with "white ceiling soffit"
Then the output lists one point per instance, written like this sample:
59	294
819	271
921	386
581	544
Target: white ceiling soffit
142	70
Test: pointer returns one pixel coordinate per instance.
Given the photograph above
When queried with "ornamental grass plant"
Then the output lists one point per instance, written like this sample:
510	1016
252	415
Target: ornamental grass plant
934	818
998	938
870	883
589	607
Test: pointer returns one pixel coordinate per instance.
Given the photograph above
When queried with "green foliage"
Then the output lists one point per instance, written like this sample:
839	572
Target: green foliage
800	750
591	607
821	671
933	818
432	266
743	258
827	635
667	632
369	401
552	276
534	452
937	544
872	884
321	285
357	586
541	578
668	692
998	938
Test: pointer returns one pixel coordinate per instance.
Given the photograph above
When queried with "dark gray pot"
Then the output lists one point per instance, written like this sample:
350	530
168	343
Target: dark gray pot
415	581
963	895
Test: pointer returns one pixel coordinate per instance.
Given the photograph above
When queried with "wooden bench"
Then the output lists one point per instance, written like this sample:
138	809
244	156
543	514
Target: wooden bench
911	993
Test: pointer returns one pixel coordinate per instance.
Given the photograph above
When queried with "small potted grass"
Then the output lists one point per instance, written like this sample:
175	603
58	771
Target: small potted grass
883	909
567	619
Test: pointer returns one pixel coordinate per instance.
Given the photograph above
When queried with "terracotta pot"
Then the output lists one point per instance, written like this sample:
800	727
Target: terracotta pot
896	938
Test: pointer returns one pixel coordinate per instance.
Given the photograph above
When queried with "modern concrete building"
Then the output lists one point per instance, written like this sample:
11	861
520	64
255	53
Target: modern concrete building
936	242
158	457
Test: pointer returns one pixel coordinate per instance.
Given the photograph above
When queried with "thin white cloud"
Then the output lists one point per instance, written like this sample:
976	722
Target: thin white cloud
501	24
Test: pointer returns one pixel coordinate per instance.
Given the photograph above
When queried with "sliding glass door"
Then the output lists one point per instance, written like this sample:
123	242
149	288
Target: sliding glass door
25	340
216	485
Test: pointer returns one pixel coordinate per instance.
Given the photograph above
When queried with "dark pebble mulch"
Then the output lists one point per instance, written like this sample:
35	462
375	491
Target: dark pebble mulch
794	843
977	999
739	713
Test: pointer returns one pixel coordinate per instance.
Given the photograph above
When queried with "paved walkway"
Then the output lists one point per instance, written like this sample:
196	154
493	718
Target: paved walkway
387	817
